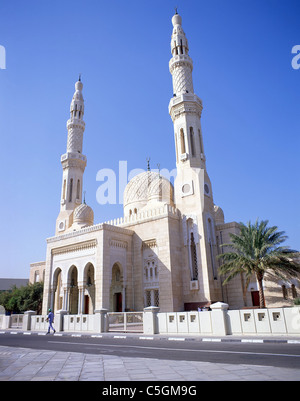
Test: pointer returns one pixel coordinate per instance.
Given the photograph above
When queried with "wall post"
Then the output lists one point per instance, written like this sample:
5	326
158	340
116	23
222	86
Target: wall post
219	318
150	320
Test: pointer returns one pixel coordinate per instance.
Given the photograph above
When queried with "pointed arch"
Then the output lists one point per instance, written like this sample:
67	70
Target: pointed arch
73	290
89	289
57	302
182	141
117	294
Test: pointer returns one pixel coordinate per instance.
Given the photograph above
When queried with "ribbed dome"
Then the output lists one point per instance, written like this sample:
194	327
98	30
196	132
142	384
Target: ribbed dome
83	215
147	187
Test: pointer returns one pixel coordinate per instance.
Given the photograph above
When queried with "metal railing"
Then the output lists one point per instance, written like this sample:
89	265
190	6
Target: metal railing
16	321
125	322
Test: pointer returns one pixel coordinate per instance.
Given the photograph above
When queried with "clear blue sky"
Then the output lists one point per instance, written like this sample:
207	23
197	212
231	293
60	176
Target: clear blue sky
242	72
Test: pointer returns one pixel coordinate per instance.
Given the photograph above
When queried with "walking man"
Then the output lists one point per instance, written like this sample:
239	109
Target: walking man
50	319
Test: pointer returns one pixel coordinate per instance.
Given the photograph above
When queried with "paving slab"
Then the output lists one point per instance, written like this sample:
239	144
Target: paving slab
24	364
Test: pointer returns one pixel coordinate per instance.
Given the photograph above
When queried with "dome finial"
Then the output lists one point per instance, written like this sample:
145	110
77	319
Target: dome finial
79	78
148	163
176	20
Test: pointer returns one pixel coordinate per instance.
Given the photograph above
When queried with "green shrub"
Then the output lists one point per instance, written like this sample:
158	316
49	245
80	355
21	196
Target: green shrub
297	301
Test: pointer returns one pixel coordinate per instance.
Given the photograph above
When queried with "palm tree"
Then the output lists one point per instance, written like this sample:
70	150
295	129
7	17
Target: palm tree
257	250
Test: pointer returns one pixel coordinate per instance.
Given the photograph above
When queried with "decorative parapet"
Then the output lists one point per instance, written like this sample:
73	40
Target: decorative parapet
163	211
119	224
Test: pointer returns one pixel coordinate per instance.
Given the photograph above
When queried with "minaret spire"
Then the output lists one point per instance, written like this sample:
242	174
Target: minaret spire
193	190
73	162
185	107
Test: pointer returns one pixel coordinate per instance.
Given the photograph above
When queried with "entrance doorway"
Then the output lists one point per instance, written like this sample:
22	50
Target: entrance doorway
118	302
86	304
255	298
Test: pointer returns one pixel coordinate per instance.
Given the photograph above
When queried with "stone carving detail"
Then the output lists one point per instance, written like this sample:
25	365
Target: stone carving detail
182	80
146	186
74	140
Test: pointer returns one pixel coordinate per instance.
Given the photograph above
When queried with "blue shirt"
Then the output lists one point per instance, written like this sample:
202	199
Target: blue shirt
51	317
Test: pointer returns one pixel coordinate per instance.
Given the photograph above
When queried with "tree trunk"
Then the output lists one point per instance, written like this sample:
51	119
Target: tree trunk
259	277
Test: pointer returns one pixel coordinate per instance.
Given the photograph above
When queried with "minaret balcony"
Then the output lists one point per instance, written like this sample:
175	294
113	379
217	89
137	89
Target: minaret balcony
181	60
75	123
185	103
73	155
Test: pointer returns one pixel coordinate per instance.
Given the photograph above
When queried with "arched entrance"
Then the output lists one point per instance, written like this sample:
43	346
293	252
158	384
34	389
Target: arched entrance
117	300
73	290
89	289
57	303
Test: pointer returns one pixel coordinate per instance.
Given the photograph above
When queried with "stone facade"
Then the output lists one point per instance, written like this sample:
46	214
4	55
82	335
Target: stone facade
163	252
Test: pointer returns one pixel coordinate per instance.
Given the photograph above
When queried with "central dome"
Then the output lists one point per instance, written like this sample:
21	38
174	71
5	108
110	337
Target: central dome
145	190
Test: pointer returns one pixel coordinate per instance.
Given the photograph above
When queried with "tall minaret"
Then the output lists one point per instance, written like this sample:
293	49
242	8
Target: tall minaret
73	162
193	191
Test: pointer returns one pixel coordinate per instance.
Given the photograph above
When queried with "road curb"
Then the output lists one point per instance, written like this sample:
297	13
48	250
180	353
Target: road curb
141	337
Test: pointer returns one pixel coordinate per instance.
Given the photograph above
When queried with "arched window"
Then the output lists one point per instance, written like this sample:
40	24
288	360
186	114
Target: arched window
192	140
78	190
284	292
211	242
182	141
200	141
294	291
176	148
64	190
194	258
71	189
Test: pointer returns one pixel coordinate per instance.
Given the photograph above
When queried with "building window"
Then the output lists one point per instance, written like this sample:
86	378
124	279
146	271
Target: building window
36	276
284	292
211	242
182	142
78	190
71	189
192	140
194	258
294	291
150	271
176	148
64	190
200	141
152	297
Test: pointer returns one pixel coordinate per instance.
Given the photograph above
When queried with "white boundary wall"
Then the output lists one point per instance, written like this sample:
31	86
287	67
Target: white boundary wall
218	321
244	321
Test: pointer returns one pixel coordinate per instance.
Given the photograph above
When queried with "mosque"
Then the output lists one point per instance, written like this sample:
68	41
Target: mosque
163	251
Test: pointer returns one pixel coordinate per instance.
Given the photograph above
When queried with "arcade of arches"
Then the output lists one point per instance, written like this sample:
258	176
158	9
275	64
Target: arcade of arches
76	296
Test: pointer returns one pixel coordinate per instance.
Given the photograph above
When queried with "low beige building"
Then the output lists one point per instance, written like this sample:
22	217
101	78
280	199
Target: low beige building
163	251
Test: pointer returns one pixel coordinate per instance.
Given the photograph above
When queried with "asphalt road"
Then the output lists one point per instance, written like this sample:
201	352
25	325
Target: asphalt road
268	354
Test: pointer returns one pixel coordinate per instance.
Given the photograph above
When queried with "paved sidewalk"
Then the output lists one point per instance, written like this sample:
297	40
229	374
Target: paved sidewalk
24	364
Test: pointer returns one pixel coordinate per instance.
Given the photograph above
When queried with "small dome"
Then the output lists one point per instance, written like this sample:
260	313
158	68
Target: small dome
144	188
176	20
83	216
78	86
